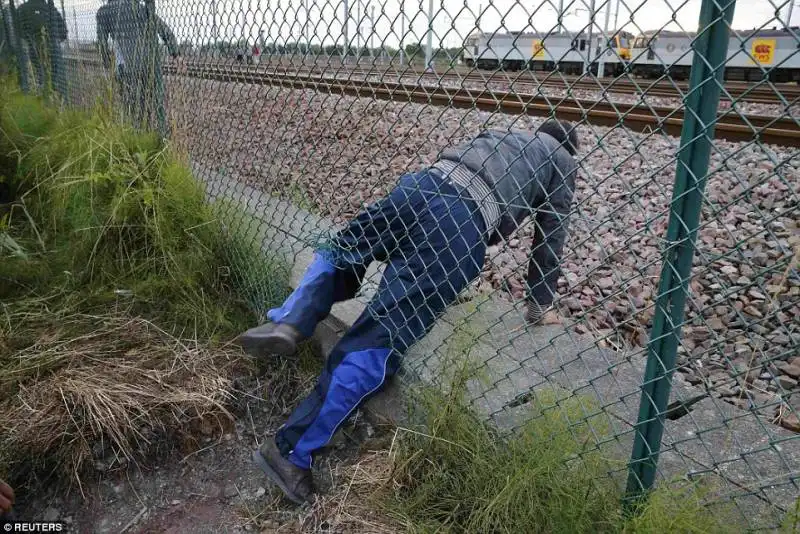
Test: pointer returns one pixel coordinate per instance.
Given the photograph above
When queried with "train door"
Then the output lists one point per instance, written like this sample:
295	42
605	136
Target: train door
651	44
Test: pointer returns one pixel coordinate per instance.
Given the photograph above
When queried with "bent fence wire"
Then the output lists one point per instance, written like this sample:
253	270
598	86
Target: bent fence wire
679	295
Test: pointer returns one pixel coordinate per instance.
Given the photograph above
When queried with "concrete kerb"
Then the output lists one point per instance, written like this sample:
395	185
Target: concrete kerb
738	447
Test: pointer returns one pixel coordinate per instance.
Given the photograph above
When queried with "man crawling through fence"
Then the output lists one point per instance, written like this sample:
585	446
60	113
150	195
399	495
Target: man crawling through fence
432	231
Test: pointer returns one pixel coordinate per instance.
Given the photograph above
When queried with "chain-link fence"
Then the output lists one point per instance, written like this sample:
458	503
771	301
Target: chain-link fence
682	247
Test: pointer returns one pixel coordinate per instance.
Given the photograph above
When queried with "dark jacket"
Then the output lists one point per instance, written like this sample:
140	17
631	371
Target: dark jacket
530	174
126	21
38	18
5	34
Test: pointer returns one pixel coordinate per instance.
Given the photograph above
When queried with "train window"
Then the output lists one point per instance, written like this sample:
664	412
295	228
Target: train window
583	44
475	50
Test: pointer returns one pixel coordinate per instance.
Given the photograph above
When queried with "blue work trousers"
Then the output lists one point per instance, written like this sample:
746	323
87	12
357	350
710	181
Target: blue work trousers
432	239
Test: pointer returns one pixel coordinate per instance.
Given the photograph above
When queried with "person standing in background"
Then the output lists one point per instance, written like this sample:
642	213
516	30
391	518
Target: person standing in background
135	31
42	30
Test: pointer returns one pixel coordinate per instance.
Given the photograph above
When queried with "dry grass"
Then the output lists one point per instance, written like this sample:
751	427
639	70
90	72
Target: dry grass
352	499
352	504
122	383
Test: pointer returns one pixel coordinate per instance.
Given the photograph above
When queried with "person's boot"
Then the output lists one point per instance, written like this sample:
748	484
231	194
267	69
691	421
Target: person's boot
295	482
270	338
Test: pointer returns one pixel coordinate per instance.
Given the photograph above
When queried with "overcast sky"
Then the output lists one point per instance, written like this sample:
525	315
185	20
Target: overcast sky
288	20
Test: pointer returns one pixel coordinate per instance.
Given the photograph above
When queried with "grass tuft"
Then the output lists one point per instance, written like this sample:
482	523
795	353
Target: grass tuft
124	386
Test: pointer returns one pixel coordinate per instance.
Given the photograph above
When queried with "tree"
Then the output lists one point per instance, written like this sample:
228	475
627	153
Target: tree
413	50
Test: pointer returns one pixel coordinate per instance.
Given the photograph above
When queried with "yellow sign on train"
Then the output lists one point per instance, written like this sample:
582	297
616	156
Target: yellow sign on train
763	51
538	49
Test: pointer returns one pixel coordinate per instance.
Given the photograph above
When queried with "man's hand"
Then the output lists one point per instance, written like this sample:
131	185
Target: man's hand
536	314
6	497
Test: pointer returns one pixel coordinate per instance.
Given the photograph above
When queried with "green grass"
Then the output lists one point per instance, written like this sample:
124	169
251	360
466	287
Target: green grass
104	210
791	523
120	286
454	473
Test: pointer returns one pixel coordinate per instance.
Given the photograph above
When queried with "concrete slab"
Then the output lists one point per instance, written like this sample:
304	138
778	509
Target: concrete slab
743	450
285	228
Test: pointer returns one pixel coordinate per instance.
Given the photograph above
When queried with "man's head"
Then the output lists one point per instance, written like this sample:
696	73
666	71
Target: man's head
563	132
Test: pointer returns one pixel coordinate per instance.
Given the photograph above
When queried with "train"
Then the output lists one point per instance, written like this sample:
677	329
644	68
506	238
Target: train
566	52
753	55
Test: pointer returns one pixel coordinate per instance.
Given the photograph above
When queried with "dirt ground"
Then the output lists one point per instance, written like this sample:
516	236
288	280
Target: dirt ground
217	489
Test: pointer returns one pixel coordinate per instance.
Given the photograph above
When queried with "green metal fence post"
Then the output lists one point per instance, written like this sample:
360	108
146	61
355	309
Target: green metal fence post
22	65
710	50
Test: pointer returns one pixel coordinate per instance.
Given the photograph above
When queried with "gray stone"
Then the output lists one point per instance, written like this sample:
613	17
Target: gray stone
758	295
606	282
758	328
787	383
388	408
726	391
51	513
790	422
788	369
752	310
230	491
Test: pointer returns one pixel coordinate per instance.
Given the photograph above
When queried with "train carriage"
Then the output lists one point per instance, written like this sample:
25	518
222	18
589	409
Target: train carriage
566	52
753	55
497	50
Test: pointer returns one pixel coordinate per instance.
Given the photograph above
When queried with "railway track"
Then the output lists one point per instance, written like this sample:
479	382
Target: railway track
783	131
522	81
765	93
779	130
